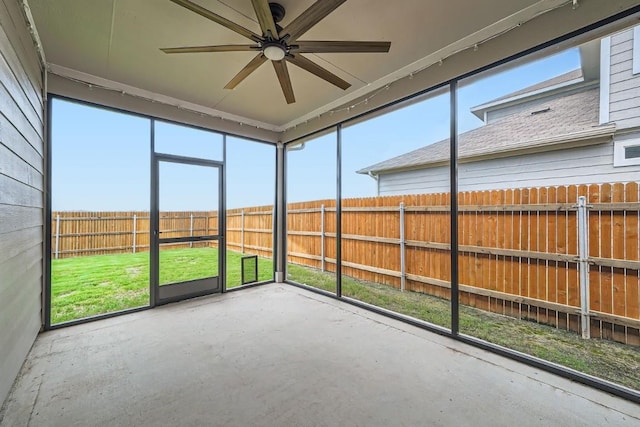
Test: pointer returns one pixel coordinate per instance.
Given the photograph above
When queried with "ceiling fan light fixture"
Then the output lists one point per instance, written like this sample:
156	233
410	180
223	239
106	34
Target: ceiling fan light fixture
274	52
281	45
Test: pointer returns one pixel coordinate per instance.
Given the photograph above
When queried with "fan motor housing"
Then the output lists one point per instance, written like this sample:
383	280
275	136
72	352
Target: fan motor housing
277	11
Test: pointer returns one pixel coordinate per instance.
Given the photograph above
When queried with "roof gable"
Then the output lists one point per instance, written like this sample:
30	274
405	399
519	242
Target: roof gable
542	89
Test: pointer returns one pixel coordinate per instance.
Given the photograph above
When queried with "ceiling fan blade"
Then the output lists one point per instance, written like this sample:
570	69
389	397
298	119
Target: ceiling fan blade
309	18
219	48
248	69
263	12
218	19
285	80
314	68
341	46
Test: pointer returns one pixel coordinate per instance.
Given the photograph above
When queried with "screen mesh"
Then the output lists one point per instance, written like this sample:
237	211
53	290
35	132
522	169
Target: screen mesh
249	269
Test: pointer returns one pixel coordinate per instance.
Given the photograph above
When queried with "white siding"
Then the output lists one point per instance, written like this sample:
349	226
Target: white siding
592	164
625	86
21	193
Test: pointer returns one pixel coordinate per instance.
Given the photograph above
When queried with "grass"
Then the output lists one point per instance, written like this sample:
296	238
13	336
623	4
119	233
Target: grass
612	361
92	285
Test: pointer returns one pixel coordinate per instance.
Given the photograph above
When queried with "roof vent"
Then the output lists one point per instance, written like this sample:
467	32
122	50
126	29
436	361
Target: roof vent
544	110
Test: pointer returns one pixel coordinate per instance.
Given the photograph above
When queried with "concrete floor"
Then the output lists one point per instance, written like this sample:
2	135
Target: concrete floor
280	356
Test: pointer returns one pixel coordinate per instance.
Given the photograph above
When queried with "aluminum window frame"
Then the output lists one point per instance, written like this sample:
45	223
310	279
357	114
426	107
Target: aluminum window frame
47	237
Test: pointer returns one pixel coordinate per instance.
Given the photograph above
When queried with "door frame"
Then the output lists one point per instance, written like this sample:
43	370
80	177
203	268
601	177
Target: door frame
199	286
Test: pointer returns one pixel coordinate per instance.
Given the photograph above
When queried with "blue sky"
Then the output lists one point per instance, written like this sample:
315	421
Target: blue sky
101	160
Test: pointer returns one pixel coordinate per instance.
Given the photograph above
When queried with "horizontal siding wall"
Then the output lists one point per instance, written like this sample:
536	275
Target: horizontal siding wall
21	193
591	164
625	86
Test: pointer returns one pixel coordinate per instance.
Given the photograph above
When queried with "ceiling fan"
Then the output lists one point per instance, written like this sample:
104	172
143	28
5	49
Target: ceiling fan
281	45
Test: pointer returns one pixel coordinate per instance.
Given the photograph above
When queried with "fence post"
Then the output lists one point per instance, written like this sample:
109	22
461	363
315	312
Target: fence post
402	247
57	234
135	229
242	230
583	266
322	236
191	229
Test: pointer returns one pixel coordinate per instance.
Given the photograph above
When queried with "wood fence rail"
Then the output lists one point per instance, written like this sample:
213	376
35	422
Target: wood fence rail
567	256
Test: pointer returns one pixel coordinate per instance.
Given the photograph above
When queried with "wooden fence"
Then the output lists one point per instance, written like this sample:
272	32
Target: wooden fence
99	233
520	249
78	233
250	230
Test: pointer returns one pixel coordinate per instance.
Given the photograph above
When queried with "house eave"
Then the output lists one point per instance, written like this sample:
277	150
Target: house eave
594	136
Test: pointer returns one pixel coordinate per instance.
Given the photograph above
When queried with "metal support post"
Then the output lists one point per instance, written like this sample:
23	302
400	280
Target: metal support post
583	266
191	229
339	211
322	210
242	230
453	182
57	235
403	273
281	216
135	230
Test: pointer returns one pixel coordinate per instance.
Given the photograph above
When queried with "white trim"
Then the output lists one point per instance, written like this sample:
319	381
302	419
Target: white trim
605	79
35	37
37	43
619	148
636	50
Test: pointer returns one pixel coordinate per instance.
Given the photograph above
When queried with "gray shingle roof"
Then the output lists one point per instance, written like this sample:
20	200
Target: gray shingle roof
558	80
566	115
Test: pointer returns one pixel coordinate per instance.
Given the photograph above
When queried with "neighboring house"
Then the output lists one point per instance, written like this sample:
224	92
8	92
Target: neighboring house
578	128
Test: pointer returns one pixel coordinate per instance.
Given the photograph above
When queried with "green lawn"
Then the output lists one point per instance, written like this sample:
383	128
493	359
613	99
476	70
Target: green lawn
92	285
605	359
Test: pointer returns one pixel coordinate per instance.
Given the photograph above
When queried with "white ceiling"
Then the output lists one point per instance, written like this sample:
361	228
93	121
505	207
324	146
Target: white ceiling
119	40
